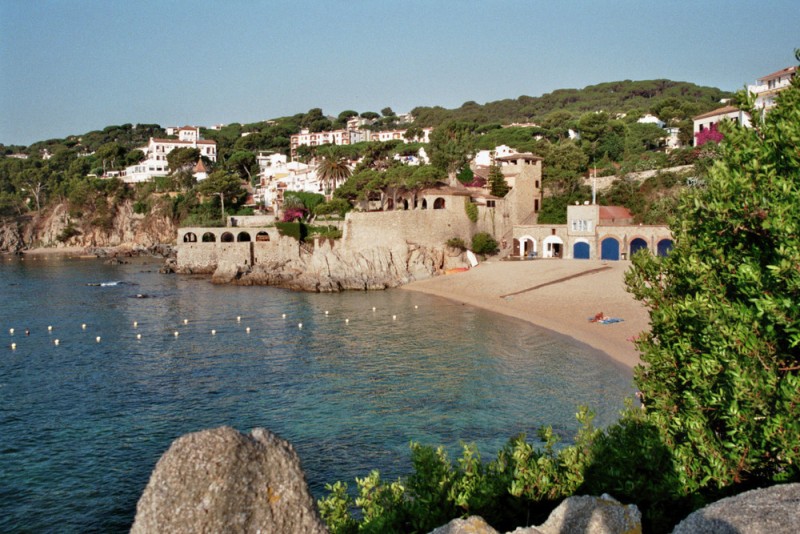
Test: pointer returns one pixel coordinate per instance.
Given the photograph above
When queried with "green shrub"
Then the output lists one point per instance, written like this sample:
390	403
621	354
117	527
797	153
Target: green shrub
336	205
471	209
68	232
456	242
141	207
483	243
297	230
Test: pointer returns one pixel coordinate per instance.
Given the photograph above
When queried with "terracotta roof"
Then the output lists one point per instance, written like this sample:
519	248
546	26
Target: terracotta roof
719	111
178	141
446	190
200	167
522	155
778	74
614	212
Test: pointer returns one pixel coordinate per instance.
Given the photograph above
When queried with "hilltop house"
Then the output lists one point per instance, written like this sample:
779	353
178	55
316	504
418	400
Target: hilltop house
155	162
765	90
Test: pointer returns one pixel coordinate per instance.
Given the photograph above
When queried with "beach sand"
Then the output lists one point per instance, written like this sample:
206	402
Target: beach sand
559	295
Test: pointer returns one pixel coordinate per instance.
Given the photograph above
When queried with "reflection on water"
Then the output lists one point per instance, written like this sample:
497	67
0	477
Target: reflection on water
83	423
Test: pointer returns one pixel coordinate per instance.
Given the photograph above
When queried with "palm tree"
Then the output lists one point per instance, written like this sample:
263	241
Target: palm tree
332	168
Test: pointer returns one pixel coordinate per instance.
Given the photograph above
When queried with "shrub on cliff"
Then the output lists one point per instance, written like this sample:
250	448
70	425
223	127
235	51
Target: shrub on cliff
722	374
483	243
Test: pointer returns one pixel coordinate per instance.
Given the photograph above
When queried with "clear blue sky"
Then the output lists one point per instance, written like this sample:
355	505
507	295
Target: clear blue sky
72	66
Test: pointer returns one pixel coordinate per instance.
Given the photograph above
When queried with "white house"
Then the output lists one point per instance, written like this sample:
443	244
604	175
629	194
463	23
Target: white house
155	162
767	87
713	117
651	119
484	158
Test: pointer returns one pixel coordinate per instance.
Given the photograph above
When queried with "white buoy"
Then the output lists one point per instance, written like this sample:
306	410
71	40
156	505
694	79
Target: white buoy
213	332
177	333
97	339
347	321
49	328
394	317
56	342
238	318
326	312
247	329
138	336
283	316
135	324
11	331
186	321
13	346
373	308
83	326
299	325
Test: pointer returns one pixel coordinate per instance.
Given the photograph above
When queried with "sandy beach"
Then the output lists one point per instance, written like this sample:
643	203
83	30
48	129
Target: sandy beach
560	295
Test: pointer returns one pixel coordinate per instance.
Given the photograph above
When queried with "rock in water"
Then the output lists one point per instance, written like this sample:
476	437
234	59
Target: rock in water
221	480
774	510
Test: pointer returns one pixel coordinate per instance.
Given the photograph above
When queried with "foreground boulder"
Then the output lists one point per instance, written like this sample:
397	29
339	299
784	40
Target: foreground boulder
221	480
584	515
774	510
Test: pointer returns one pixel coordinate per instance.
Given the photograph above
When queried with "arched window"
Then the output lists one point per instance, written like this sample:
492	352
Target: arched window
209	237
262	236
243	236
438	204
637	245
424	204
664	246
190	237
227	237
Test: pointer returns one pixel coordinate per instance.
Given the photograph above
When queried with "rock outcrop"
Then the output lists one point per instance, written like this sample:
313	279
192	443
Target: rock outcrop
220	480
56	228
331	269
773	510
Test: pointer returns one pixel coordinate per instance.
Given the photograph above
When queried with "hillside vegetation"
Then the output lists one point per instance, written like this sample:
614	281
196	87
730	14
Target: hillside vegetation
63	170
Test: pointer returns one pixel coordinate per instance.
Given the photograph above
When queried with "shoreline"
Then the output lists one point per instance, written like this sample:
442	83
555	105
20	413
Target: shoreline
557	295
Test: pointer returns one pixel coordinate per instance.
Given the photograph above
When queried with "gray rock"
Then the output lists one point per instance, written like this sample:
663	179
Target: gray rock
220	480
472	525
774	510
590	515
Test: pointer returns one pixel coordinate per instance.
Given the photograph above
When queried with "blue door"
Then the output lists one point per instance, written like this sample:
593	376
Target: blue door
664	246
609	249
580	251
637	245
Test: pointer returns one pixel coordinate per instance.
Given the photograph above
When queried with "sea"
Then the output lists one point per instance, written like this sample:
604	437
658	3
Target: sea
103	366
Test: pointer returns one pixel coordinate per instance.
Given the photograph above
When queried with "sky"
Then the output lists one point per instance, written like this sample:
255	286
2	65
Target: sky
72	66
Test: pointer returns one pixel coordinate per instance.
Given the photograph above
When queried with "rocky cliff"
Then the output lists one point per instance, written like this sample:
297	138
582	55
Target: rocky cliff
328	268
55	228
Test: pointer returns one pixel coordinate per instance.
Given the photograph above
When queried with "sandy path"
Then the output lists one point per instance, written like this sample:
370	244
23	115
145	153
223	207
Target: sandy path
559	295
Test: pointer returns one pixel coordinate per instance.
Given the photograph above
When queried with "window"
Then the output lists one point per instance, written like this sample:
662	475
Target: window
490	203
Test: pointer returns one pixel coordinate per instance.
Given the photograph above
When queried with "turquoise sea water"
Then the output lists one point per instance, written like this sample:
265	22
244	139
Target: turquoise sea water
82	423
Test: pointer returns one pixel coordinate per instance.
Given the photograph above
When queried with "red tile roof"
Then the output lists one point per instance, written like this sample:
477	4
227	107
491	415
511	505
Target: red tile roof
614	212
719	111
778	74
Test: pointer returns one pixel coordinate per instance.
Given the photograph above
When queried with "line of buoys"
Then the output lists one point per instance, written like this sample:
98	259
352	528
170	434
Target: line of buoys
13	346
97	339
56	342
213	332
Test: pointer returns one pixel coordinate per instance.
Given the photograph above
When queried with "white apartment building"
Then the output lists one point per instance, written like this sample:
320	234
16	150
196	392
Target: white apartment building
767	87
155	162
351	136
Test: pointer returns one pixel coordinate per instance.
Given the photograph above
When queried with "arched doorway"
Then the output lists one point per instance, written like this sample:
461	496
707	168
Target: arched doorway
227	237
527	247
243	236
209	237
438	204
424	204
664	246
190	237
405	203
637	245
609	249
581	250
552	247
262	236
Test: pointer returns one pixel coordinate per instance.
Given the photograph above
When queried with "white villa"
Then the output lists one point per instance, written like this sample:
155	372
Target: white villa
155	162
